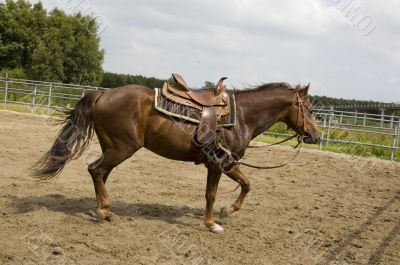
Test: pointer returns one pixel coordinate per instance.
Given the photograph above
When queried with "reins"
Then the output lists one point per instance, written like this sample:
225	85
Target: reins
278	166
280	142
298	145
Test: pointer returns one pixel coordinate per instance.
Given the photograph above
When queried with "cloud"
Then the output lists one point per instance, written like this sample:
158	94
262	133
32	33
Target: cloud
253	41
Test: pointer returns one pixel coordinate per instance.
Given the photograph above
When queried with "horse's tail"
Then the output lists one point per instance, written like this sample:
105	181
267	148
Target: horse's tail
72	139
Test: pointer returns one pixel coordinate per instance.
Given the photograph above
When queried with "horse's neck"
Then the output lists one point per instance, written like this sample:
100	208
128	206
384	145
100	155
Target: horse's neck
261	109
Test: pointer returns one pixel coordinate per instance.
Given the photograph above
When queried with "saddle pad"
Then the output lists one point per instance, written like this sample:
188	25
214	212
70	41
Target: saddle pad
187	113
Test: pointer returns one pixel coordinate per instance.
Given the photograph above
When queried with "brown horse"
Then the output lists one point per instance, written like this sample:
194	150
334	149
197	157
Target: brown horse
126	120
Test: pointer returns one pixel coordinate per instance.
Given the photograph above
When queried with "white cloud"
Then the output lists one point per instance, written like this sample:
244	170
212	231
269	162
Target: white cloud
255	40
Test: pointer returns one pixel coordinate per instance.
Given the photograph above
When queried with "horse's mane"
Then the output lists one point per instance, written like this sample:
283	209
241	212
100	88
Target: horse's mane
265	86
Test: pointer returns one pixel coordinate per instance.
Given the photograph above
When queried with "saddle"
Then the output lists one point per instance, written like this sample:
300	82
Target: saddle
212	104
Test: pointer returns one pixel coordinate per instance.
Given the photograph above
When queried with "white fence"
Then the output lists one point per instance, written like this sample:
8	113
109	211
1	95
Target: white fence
40	95
43	96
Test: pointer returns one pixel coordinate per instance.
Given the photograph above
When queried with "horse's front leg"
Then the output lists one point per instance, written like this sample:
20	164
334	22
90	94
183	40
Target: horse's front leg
213	177
238	176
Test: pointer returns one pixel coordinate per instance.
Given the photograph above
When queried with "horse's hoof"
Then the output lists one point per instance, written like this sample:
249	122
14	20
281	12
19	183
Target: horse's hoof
106	215
216	228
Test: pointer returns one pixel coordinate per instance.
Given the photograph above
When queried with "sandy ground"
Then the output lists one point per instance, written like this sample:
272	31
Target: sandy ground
323	208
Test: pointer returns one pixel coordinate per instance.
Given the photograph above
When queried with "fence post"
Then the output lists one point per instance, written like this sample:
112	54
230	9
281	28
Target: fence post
382	118
329	127
49	98
355	117
322	134
394	144
392	121
6	93
34	99
365	119
391	157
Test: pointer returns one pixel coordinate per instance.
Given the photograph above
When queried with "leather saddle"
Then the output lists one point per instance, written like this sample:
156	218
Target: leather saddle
203	97
213	104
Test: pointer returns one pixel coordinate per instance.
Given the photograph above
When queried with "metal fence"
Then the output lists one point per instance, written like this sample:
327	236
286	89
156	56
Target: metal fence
44	96
380	131
35	95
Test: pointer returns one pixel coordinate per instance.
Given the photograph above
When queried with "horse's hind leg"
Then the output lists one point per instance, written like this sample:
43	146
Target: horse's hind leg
99	170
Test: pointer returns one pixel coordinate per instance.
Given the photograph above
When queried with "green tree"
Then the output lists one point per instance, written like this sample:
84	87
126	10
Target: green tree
49	46
113	80
208	85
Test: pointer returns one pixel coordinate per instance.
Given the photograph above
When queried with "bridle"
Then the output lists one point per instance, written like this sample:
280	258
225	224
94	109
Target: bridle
300	137
300	110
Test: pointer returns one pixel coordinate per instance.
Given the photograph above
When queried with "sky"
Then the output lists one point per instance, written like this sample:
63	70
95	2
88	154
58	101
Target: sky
344	48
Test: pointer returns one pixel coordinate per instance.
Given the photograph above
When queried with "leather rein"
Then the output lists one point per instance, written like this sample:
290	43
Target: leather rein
300	138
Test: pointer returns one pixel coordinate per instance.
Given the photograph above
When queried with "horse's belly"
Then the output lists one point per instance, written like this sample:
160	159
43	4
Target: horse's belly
171	139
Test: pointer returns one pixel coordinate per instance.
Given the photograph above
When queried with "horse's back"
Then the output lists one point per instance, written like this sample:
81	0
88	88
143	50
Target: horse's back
123	99
120	113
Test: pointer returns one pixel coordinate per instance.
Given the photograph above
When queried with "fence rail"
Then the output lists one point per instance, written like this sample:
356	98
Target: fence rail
34	95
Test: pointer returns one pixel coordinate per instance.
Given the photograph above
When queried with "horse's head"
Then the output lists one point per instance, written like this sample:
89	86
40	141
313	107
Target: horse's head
300	116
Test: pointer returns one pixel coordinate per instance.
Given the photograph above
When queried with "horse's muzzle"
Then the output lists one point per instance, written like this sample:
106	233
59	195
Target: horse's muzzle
310	138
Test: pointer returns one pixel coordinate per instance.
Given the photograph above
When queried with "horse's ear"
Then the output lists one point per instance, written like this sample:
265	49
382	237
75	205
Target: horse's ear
307	87
304	90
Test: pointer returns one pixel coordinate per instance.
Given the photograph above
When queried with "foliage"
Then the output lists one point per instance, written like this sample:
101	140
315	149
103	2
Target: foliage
328	101
338	101
208	85
50	46
112	80
14	73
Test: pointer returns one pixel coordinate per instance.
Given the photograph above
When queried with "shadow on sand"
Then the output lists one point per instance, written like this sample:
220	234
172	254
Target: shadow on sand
59	203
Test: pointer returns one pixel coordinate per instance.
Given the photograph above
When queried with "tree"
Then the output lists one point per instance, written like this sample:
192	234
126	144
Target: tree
208	85
112	80
49	46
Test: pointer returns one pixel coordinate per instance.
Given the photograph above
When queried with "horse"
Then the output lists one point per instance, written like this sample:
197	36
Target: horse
125	120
